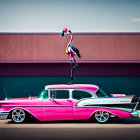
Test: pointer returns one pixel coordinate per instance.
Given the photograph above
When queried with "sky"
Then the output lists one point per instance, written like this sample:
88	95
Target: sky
77	15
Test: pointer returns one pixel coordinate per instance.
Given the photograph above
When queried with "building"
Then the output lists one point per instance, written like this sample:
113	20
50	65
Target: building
29	61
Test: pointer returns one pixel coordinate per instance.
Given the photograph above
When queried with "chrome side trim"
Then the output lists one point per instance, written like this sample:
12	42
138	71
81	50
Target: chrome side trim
36	106
4	115
136	105
106	101
56	105
117	108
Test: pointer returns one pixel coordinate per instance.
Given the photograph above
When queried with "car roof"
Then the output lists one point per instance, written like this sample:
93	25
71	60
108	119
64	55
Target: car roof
90	87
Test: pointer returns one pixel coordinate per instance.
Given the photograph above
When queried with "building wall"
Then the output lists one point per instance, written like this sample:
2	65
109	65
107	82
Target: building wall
29	61
32	85
51	46
63	69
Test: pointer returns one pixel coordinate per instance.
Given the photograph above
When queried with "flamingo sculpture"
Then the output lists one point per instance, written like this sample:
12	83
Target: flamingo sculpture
71	51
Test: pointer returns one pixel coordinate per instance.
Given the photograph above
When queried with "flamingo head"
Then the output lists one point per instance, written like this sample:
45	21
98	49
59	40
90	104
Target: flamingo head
65	30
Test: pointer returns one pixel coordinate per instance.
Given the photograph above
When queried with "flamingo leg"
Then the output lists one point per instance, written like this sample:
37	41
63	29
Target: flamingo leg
75	64
73	61
71	69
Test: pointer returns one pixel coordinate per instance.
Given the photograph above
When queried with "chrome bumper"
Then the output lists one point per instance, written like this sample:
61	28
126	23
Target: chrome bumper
135	114
4	115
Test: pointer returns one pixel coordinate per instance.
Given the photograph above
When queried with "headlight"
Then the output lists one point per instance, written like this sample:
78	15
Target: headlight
1	109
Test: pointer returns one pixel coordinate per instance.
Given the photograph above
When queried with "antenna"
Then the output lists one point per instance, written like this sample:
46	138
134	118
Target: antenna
5	93
29	97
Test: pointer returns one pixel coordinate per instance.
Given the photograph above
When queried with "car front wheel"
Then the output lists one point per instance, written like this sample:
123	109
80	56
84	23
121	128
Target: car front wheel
18	116
101	116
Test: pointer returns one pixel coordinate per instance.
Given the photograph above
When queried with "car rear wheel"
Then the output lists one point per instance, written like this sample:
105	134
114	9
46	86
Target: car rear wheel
101	116
18	116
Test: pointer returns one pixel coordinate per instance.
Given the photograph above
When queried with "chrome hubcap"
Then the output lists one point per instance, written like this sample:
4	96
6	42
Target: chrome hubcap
18	115
102	116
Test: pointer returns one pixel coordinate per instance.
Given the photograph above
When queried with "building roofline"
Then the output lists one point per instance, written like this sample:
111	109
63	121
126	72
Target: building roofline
75	33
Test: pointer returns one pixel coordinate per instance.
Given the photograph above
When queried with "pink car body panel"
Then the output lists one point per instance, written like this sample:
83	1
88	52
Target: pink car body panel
58	109
33	106
46	110
83	113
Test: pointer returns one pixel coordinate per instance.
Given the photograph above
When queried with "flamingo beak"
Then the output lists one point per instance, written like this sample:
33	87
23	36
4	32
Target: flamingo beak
62	34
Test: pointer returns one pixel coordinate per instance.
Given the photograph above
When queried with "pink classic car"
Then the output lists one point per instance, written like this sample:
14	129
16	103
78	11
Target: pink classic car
70	102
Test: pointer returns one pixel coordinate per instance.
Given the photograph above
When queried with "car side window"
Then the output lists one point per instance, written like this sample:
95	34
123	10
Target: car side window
78	94
59	94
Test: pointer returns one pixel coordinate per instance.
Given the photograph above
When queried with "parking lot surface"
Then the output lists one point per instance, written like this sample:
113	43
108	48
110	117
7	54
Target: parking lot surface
127	128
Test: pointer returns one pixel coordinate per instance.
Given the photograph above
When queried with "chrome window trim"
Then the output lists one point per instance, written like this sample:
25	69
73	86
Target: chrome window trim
71	90
49	97
93	95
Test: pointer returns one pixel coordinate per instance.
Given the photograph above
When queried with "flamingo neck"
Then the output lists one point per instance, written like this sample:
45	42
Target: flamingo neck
71	38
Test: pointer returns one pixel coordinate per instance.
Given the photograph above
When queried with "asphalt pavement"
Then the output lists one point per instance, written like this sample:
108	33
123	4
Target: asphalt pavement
127	128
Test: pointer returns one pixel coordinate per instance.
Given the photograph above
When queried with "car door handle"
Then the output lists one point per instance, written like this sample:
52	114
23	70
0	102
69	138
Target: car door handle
69	100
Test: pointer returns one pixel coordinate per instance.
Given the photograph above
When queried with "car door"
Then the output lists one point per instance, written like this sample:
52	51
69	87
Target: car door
80	113
58	106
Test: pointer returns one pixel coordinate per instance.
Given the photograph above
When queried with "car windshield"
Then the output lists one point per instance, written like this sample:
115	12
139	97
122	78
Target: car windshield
43	94
101	93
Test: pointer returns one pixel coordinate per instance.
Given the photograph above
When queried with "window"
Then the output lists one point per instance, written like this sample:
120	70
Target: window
59	94
78	94
43	94
101	93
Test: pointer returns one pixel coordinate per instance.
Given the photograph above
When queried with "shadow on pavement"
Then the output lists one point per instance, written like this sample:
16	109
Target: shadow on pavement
111	121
